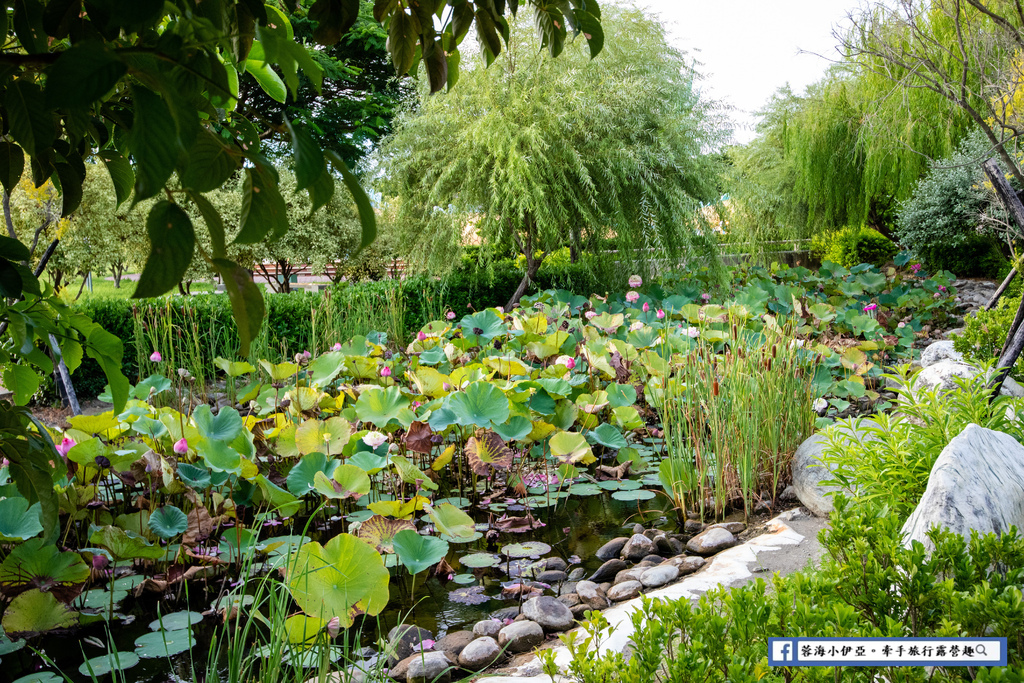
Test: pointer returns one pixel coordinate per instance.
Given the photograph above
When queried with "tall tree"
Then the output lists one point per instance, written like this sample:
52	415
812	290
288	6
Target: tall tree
549	153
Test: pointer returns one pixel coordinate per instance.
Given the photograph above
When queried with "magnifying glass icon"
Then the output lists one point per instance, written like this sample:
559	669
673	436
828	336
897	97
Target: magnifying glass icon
980	649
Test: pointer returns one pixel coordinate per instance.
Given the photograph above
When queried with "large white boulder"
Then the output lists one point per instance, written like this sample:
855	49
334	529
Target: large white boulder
939	351
977	483
941	375
808	470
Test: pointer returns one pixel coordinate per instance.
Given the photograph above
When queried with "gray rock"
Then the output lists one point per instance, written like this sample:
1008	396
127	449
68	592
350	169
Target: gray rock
624	591
521	636
977	483
579	612
631	574
429	667
551	576
663	545
808	470
570	600
592	595
638	529
566	587
731	527
941	376
549	613
636	548
401	640
400	671
480	654
607	571
678	547
557	564
693	526
487	628
611	549
505	613
686	565
577	574
454	643
655	577
650	561
940	350
711	541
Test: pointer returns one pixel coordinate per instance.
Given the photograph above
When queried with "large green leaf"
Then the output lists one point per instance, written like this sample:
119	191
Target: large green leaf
419	552
411	474
307	155
172	242
323	436
125	545
381	406
300	478
41	565
452	523
571	447
22	381
367	216
30	121
481	327
482	405
12	164
334	18
343	579
154	142
225	426
18	520
37	612
263	208
168	522
82	75
347	481
121	174
246	301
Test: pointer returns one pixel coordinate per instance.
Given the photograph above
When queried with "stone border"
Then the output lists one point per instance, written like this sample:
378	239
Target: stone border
723	569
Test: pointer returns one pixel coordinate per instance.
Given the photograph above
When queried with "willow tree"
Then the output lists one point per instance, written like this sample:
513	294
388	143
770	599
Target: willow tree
548	153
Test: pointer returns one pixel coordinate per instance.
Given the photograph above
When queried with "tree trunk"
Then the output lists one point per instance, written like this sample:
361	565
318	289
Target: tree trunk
117	270
7	217
285	270
1002	288
532	264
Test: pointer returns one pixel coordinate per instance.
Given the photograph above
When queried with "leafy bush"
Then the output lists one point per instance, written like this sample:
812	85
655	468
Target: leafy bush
940	223
985	332
869	586
891	458
853	245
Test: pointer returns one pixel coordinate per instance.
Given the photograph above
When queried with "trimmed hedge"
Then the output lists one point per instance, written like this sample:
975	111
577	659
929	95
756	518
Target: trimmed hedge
289	319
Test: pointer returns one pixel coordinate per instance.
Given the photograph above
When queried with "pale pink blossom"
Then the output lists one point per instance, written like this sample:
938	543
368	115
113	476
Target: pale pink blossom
334	627
66	444
590	315
636	326
155	357
706	297
632	297
374	439
450	315
336	347
421	335
635	281
385	371
181	446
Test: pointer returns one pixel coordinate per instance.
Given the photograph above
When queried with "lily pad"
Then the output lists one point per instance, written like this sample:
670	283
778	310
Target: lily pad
300	477
479	560
464	579
18	520
168	522
164	643
610	485
638	494
481	405
7	646
104	664
175	621
528	549
380	531
469	595
342	579
452	523
585	489
40	677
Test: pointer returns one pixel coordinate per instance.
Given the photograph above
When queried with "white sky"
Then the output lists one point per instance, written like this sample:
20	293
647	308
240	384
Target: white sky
749	48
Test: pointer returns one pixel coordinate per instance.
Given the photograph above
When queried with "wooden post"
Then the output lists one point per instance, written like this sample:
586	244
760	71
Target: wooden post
1015	337
1002	288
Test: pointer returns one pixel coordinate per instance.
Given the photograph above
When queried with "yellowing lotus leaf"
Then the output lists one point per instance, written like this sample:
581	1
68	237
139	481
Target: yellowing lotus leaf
343	579
571	447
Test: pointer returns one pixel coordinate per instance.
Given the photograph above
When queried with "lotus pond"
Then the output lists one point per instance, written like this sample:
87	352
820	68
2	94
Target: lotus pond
328	497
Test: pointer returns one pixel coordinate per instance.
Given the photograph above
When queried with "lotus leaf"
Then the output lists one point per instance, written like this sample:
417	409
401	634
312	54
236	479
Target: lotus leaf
464	579
40	677
486	452
164	644
480	560
196	477
369	461
620	395
507	366
280	371
528	549
542	402
233	368
571	447
585	489
419	438
38	564
103	424
607	322
381	406
86	452
300	477
301	629
343	579
638	494
319	436
417	552
219	456
400	509
429	381
627	418
270	496
608	436
7	646
380	531
18	520
105	664
411	474
36	612
482	405
303	399
550	346
452	523
517	428
593	403
347	481
168	522
481	327
224	426
125	545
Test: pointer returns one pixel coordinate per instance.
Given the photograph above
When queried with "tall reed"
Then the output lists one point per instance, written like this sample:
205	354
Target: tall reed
734	413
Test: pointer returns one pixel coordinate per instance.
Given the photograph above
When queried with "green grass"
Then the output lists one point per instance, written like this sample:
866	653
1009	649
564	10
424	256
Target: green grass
104	288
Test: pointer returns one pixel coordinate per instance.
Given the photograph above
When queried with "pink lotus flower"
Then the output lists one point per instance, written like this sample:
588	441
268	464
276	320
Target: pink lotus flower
385	371
706	297
66	445
446	386
421	335
937	295
334	627
500	309
632	297
941	288
450	315
660	314
901	325
590	315
155	357
306	355
915	268
870	307
646	307
181	446
635	281
336	347
570	364
272	522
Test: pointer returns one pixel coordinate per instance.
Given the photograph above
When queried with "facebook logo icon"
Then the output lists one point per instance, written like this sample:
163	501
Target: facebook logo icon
781	651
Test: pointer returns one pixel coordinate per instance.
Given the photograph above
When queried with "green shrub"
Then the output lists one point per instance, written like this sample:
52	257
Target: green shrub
852	246
985	332
888	457
869	586
940	222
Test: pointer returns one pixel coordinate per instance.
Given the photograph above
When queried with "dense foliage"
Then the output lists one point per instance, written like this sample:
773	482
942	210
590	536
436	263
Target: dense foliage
850	246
